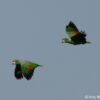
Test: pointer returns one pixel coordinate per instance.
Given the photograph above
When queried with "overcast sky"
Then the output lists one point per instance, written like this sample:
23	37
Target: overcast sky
32	30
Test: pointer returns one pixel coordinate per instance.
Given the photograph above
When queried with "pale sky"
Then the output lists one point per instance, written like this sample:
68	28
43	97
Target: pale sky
32	30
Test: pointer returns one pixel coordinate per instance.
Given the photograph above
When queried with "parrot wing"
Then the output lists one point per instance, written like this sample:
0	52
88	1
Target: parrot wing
71	29
76	36
28	71
18	72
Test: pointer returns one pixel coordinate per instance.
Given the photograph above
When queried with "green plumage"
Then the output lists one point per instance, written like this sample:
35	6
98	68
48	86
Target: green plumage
70	32
75	37
24	68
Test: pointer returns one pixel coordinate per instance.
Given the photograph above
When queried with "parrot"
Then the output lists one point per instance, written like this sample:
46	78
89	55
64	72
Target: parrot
24	69
76	37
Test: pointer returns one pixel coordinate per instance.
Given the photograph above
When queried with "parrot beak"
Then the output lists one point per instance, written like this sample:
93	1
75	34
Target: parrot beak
62	41
13	62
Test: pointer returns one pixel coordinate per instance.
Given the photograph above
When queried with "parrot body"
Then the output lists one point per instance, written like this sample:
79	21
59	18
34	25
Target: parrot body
24	68
75	37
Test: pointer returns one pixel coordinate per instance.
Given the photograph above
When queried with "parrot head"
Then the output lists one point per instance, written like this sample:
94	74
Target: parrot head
65	40
15	62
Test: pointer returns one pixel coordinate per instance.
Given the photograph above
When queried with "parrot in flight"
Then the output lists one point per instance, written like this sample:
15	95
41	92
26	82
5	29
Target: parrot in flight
75	36
24	68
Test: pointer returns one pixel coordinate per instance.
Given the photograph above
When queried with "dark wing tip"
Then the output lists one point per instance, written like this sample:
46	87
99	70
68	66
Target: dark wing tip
29	75
71	22
18	72
83	33
18	76
72	25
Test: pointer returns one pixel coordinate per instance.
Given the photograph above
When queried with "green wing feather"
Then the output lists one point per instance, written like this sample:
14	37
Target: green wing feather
71	29
28	69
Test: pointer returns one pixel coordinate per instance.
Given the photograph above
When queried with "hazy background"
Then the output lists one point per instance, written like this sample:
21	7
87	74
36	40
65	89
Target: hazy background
32	30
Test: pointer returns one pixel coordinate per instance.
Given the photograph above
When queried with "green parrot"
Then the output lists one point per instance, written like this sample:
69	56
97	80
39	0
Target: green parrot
75	36
24	68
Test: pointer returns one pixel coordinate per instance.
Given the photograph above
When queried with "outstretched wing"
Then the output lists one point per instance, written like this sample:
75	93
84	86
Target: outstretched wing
71	29
76	36
18	72
28	71
79	38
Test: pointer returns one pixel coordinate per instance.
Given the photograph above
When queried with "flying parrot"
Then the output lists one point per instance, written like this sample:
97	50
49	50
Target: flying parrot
24	68
75	36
